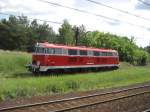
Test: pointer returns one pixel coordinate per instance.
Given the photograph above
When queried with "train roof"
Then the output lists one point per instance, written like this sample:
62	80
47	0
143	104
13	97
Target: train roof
49	45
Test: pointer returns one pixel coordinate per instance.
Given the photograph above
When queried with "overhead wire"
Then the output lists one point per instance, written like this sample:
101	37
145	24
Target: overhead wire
117	9
83	11
148	4
49	21
91	13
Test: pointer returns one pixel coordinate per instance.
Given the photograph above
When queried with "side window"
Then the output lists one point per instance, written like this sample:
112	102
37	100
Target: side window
45	50
57	51
50	51
100	53
96	53
72	52
115	54
90	53
83	52
65	52
104	53
109	54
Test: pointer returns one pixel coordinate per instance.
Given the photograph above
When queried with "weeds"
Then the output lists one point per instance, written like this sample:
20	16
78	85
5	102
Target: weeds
16	82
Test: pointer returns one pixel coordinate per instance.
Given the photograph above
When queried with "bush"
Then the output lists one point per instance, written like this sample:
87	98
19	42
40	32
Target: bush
140	57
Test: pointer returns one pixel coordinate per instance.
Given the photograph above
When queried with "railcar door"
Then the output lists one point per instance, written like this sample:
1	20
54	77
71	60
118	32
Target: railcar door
72	60
90	58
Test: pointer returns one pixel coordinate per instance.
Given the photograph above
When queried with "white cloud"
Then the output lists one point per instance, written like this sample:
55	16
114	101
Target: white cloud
41	10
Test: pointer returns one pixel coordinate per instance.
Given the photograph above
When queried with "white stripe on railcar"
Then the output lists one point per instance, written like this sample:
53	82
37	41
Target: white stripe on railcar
45	68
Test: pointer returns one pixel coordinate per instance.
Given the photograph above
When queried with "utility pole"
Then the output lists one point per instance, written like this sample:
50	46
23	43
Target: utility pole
77	36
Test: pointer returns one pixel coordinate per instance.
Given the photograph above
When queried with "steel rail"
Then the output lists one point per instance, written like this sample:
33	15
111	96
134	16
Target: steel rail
69	99
148	110
101	102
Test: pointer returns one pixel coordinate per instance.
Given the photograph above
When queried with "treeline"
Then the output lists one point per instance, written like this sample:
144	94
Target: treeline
18	33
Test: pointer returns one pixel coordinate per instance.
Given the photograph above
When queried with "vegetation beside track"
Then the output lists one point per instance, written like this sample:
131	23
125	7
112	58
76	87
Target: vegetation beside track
12	63
16	81
18	33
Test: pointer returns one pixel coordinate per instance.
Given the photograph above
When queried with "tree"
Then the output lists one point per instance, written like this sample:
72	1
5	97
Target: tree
40	33
66	34
80	33
17	33
13	33
147	48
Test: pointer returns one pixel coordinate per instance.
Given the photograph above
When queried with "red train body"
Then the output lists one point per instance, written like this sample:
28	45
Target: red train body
50	56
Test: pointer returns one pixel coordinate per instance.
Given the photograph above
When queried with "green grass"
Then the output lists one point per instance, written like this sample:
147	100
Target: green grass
14	84
12	64
26	87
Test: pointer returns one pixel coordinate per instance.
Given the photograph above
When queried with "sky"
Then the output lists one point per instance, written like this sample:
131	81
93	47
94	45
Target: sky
42	10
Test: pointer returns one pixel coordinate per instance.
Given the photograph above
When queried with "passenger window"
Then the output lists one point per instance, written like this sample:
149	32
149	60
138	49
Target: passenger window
83	52
96	53
72	52
57	51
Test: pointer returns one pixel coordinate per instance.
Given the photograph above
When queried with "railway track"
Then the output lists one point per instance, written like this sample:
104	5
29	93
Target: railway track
148	110
81	102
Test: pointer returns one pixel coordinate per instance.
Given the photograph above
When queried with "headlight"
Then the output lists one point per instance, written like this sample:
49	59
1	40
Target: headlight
38	63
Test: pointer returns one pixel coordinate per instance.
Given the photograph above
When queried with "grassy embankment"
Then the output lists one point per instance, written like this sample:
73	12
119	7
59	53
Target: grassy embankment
12	64
14	84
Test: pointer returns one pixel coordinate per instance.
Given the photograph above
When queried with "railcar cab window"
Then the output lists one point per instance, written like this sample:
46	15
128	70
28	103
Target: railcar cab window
49	50
35	49
83	52
40	50
72	52
115	54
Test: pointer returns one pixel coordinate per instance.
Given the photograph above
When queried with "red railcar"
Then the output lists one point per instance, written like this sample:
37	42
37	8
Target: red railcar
53	57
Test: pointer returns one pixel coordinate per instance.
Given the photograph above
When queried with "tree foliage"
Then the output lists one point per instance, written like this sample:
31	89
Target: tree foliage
127	49
18	33
66	33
